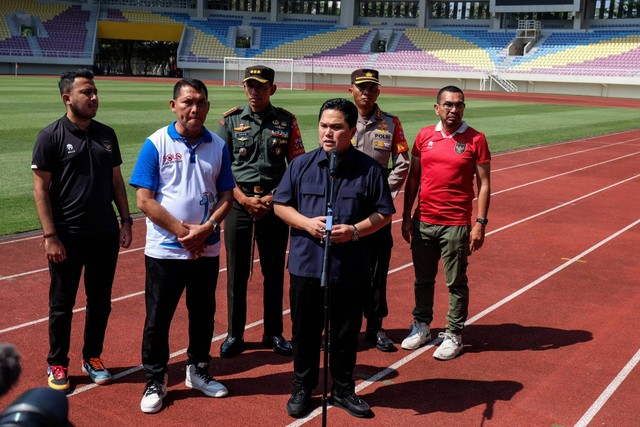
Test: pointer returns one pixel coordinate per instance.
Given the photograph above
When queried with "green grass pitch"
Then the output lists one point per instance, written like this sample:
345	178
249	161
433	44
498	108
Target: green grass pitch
136	109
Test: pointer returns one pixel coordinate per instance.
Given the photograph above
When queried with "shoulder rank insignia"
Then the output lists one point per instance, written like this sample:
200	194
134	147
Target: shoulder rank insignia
228	112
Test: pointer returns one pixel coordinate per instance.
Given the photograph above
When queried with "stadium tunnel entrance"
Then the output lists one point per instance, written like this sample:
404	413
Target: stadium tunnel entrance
137	49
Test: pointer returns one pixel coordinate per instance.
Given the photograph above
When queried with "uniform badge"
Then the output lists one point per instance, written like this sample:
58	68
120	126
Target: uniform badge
243	151
460	147
242	128
278	151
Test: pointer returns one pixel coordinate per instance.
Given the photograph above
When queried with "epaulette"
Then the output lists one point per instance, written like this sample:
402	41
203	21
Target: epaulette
228	112
286	111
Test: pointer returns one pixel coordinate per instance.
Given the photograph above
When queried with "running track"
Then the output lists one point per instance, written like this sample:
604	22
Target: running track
551	338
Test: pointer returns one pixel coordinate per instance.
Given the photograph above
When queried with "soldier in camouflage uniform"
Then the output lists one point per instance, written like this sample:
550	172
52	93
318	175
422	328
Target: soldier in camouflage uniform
262	139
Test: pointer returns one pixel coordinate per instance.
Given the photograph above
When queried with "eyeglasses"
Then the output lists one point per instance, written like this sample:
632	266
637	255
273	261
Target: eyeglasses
450	105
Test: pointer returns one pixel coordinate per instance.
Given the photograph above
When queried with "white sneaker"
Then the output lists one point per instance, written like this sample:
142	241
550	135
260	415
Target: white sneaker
420	334
198	378
450	347
154	392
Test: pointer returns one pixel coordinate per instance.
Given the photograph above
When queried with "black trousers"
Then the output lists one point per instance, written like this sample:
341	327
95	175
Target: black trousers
98	255
375	303
166	279
307	314
271	235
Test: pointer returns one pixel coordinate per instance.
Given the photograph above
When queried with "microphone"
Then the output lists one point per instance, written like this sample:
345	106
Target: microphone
333	160
9	367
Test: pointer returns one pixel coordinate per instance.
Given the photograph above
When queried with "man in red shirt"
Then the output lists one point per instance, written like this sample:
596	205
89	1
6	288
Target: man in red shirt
445	159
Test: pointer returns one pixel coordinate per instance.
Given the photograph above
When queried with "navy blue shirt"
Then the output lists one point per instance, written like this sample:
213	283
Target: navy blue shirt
361	189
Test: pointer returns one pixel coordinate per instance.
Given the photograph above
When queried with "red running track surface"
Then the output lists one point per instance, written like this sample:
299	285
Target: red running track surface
551	337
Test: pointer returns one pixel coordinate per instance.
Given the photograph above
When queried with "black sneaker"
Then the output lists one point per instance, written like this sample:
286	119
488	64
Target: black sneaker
352	404
299	403
380	340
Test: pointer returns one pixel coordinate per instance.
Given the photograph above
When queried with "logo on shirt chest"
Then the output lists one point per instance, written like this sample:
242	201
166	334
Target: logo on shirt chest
106	144
460	147
171	158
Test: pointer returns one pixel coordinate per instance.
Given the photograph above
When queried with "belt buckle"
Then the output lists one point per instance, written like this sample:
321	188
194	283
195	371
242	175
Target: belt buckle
257	189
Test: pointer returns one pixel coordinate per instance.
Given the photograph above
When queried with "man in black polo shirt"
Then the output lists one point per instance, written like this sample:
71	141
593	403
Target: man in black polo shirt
76	177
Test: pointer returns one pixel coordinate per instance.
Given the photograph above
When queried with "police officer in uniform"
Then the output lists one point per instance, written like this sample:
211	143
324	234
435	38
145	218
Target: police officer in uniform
380	135
262	139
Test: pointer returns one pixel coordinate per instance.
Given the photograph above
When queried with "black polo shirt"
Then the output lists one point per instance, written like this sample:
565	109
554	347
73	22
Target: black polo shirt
81	165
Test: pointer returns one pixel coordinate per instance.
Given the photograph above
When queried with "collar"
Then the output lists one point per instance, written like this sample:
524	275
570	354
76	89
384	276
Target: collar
376	115
71	127
346	157
246	111
173	133
463	127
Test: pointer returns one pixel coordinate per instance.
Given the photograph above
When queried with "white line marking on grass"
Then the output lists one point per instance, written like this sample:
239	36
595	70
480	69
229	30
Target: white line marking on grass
608	392
421	350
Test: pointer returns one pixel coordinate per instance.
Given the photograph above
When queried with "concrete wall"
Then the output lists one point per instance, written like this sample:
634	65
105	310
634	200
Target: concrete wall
615	87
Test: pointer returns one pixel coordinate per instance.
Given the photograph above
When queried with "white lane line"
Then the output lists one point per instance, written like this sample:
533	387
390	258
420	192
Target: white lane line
608	392
573	153
563	173
38	236
574	141
570	202
421	350
40	270
135	369
23	325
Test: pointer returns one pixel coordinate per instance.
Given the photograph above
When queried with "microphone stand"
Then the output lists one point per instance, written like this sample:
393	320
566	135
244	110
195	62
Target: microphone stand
325	277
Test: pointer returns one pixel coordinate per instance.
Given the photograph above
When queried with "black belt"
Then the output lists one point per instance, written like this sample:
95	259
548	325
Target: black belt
255	190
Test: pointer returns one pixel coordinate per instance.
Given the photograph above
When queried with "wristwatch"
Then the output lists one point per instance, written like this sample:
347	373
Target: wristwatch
216	226
356	234
483	221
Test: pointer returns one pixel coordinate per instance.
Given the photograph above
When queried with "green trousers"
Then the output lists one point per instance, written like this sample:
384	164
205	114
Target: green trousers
451	243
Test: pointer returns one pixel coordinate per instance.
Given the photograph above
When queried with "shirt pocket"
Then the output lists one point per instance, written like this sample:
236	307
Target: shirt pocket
351	201
243	144
312	201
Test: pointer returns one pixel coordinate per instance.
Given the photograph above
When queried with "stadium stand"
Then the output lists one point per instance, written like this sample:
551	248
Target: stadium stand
44	33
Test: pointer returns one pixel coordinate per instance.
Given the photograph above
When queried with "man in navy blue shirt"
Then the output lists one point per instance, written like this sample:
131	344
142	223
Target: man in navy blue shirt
362	205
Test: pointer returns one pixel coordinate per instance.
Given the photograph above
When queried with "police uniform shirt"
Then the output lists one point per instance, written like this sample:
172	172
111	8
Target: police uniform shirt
381	136
81	165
